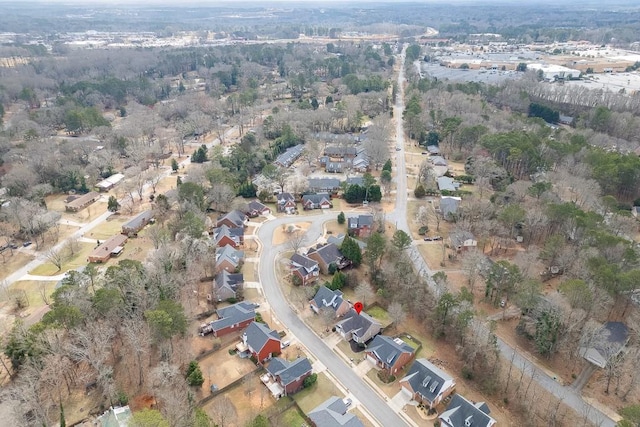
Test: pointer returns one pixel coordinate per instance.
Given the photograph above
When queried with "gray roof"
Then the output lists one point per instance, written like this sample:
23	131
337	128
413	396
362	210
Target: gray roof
316	199
235	216
290	155
224	230
304	262
139	221
324	184
355	180
357	323
325	297
337	151
258	334
360	221
255	205
333	413
433	149
282	198
329	253
460	410
233	314
426	379
289	371
447	183
449	205
229	253
228	281
458	237
438	161
387	349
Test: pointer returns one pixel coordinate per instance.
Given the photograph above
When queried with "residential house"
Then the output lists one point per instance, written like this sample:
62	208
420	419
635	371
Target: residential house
78	203
449	207
109	183
361	163
112	247
462	413
340	152
226	285
358	327
119	416
390	354
326	255
439	161
286	203
324	185
565	120
316	201
132	227
336	166
355	180
260	342
233	318
306	269
339	239
427	384
433	150
229	259
446	183
284	378
232	236
333	413
290	155
233	219
462	240
360	225
606	343
255	208
326	298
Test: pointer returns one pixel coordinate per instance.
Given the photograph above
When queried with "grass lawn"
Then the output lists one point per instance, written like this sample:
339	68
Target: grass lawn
290	417
11	263
380	314
345	347
108	228
361	417
311	397
32	290
249	271
332	227
71	263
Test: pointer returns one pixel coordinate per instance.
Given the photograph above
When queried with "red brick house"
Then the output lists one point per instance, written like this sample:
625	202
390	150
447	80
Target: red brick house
306	269
224	235
233	219
284	378
390	354
260	342
286	203
232	319
328	254
360	225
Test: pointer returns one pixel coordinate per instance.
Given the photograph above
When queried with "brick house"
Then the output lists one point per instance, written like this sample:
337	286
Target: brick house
316	201
358	327
233	318
286	203
328	254
224	235
284	378
306	269
260	342
233	219
326	298
427	384
462	413
390	354
360	225
132	227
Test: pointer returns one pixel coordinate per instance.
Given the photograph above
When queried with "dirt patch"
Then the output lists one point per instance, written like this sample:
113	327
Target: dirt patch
142	401
12	262
282	234
222	368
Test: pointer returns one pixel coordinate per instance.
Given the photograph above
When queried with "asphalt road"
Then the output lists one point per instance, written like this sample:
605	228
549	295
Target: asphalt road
373	403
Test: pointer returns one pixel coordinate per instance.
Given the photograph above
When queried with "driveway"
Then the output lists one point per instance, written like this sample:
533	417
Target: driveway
399	401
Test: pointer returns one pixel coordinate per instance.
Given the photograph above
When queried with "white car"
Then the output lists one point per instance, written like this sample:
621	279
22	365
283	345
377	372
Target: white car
347	402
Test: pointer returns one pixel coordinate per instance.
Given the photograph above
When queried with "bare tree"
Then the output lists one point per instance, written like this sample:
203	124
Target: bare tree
364	293
224	413
295	238
377	143
472	265
56	257
397	314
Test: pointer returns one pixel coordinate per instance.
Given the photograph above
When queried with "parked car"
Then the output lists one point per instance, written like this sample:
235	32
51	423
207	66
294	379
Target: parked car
347	402
285	344
27	243
13	246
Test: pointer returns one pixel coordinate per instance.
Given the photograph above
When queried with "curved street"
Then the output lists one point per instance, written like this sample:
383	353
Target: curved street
336	366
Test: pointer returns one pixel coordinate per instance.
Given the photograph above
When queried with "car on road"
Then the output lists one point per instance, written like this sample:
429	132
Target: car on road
398	148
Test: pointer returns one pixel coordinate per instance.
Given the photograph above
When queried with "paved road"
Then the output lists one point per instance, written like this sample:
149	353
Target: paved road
569	396
373	403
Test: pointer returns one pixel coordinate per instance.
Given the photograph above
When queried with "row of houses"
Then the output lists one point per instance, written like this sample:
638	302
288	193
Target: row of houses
287	203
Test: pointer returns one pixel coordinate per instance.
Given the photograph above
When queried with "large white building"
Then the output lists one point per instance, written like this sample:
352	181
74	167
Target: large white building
553	72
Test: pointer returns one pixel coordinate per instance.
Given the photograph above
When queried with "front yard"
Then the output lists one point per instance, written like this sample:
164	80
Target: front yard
311	397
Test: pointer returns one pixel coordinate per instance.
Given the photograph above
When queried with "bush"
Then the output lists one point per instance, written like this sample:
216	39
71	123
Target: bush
341	218
194	374
467	373
332	268
419	192
423	230
122	398
310	380
232	300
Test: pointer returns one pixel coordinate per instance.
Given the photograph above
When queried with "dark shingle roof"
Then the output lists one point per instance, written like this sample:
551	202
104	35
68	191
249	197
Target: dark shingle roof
258	334
460	410
229	253
387	349
255	205
325	297
322	184
235	216
357	323
316	199
232	232
333	413
139	220
329	253
360	221
289	371
236	313
426	379
282	198
303	261
226	280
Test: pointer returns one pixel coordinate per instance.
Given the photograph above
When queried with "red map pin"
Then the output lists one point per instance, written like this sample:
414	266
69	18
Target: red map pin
358	307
